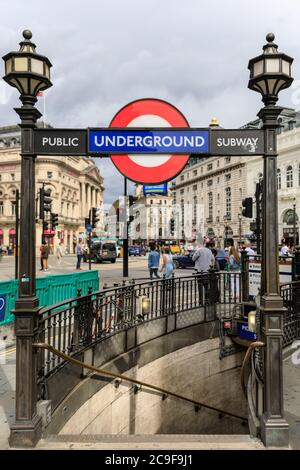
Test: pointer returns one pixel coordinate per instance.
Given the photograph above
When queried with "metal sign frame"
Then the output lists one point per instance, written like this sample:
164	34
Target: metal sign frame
82	135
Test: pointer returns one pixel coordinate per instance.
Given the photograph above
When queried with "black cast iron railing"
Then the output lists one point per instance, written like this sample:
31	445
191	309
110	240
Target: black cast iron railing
75	324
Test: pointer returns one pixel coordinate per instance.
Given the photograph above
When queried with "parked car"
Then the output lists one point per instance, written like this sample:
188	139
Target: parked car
102	251
184	261
136	250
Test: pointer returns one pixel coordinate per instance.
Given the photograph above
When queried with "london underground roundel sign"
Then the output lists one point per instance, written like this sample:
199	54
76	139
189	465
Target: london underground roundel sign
154	168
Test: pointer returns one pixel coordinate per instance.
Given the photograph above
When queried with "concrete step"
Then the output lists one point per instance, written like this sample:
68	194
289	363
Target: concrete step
158	441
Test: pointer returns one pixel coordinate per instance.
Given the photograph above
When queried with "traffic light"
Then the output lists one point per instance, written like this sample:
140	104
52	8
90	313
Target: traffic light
45	201
45	225
132	200
172	226
94	217
247	204
54	220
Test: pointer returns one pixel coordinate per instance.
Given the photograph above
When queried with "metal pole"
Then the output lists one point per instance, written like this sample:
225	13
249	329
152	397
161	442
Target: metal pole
17	235
274	428
125	233
27	427
90	243
240	229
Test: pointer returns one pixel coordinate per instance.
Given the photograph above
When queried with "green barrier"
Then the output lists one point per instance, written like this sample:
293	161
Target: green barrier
49	290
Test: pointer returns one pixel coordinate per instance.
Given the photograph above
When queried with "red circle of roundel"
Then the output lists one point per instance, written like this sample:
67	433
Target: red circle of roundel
134	170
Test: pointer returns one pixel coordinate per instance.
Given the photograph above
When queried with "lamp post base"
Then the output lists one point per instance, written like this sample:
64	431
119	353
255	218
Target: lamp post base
274	432
26	433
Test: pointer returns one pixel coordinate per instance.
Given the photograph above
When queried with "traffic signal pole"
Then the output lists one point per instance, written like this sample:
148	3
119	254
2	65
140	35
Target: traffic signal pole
125	233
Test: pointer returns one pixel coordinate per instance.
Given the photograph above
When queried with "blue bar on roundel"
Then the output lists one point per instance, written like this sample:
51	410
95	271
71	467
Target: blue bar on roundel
154	141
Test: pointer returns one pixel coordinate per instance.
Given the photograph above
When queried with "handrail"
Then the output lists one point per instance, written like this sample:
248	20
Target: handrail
255	344
164	392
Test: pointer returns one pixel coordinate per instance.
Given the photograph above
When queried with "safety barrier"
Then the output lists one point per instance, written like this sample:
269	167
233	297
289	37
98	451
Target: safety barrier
49	289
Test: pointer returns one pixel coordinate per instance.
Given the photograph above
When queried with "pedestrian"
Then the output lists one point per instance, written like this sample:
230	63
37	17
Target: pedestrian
235	264
153	262
167	266
284	250
59	252
203	258
79	253
45	255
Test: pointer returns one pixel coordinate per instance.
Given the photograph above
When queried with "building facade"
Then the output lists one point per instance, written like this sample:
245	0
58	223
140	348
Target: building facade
75	184
208	196
288	174
152	214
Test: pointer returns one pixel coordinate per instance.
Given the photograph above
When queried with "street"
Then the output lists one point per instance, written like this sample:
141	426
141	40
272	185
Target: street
109	272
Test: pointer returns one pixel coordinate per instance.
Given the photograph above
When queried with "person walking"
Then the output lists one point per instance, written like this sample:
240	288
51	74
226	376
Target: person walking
79	253
59	253
203	259
45	255
235	264
153	262
167	265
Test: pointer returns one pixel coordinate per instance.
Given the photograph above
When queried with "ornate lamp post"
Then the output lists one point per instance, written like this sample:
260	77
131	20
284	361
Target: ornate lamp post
270	73
29	72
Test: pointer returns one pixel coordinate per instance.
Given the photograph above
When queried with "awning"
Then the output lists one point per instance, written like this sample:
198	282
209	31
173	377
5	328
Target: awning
12	231
1	231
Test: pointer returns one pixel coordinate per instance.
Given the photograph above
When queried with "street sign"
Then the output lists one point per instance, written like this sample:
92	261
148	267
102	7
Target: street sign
148	141
285	273
236	142
60	142
2	306
244	332
149	169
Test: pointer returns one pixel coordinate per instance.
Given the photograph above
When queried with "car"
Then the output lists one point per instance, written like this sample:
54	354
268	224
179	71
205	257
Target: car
136	250
101	251
184	261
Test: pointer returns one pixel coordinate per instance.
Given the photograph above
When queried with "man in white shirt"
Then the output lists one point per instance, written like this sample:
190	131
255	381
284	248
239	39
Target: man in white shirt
248	248
284	250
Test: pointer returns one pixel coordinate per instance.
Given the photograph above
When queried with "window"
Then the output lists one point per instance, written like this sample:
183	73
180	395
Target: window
210	206
195	186
182	191
13	208
289	177
182	211
209	167
228	177
181	177
218	197
279	178
209	182
228	202
227	159
218	180
49	175
12	176
151	201
218	163
195	172
1	207
291	125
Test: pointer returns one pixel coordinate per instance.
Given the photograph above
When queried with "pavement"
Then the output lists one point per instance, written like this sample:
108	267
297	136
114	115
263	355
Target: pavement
109	272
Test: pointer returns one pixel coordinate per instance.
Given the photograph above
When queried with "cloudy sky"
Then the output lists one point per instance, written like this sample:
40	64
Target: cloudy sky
106	53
